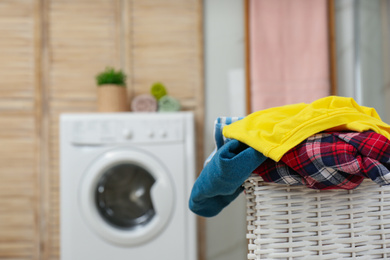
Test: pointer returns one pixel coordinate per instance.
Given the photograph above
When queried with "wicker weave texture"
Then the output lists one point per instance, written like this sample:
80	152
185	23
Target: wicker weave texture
295	222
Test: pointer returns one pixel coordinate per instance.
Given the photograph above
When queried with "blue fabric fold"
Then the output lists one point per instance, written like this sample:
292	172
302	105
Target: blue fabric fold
219	139
220	181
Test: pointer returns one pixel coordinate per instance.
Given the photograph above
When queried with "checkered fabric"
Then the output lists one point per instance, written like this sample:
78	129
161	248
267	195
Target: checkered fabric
332	160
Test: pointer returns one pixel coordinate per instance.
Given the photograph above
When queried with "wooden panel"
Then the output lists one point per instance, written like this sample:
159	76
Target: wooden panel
83	38
332	46
17	63
166	46
51	51
19	205
17	54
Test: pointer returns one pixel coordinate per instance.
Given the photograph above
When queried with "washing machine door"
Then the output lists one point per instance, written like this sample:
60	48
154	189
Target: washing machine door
126	196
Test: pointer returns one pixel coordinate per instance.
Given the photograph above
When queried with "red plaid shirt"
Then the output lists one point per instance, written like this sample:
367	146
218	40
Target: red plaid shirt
332	160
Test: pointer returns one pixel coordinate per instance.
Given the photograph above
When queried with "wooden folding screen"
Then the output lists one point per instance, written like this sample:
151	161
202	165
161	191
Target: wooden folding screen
20	209
50	52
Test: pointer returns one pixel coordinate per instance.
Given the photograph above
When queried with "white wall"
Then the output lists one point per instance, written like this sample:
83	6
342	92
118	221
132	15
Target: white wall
224	59
362	33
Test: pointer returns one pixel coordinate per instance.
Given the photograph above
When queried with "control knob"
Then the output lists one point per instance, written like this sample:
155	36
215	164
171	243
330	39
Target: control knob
127	133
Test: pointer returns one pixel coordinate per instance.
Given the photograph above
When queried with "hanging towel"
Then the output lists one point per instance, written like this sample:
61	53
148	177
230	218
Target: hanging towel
276	130
334	160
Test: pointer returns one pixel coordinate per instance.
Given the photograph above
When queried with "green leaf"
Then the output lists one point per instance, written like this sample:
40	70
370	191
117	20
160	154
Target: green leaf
110	76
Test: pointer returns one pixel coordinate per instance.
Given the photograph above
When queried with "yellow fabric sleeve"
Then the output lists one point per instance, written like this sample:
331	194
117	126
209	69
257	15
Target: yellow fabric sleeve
276	130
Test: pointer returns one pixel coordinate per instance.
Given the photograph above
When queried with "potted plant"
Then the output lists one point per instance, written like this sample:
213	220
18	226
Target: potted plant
112	94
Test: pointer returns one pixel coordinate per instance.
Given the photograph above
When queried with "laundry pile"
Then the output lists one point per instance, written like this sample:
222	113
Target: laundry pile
332	143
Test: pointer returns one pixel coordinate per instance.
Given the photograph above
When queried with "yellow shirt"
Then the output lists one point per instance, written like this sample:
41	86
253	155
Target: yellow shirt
276	130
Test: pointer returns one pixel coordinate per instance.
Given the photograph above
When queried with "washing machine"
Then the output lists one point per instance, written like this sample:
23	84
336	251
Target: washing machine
125	179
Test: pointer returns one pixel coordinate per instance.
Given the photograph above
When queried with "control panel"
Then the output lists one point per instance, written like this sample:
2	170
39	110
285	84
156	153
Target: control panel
96	132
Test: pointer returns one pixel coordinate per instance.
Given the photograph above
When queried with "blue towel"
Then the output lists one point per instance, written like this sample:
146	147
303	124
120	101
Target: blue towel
220	181
219	139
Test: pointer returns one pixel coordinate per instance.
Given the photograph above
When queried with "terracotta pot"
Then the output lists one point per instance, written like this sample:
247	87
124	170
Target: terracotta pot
112	98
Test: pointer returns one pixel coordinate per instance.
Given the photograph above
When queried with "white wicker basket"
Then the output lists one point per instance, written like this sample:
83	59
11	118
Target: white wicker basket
295	222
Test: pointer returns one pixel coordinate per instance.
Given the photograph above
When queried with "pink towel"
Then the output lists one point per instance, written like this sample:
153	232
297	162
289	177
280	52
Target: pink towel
289	53
144	103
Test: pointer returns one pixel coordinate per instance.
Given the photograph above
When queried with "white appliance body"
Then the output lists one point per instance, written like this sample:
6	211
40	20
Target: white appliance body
125	183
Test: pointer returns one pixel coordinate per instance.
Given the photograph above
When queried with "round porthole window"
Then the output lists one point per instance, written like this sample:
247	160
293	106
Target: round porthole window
123	196
126	197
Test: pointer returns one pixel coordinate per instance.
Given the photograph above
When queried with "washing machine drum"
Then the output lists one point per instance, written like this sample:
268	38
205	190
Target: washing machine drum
127	197
123	196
